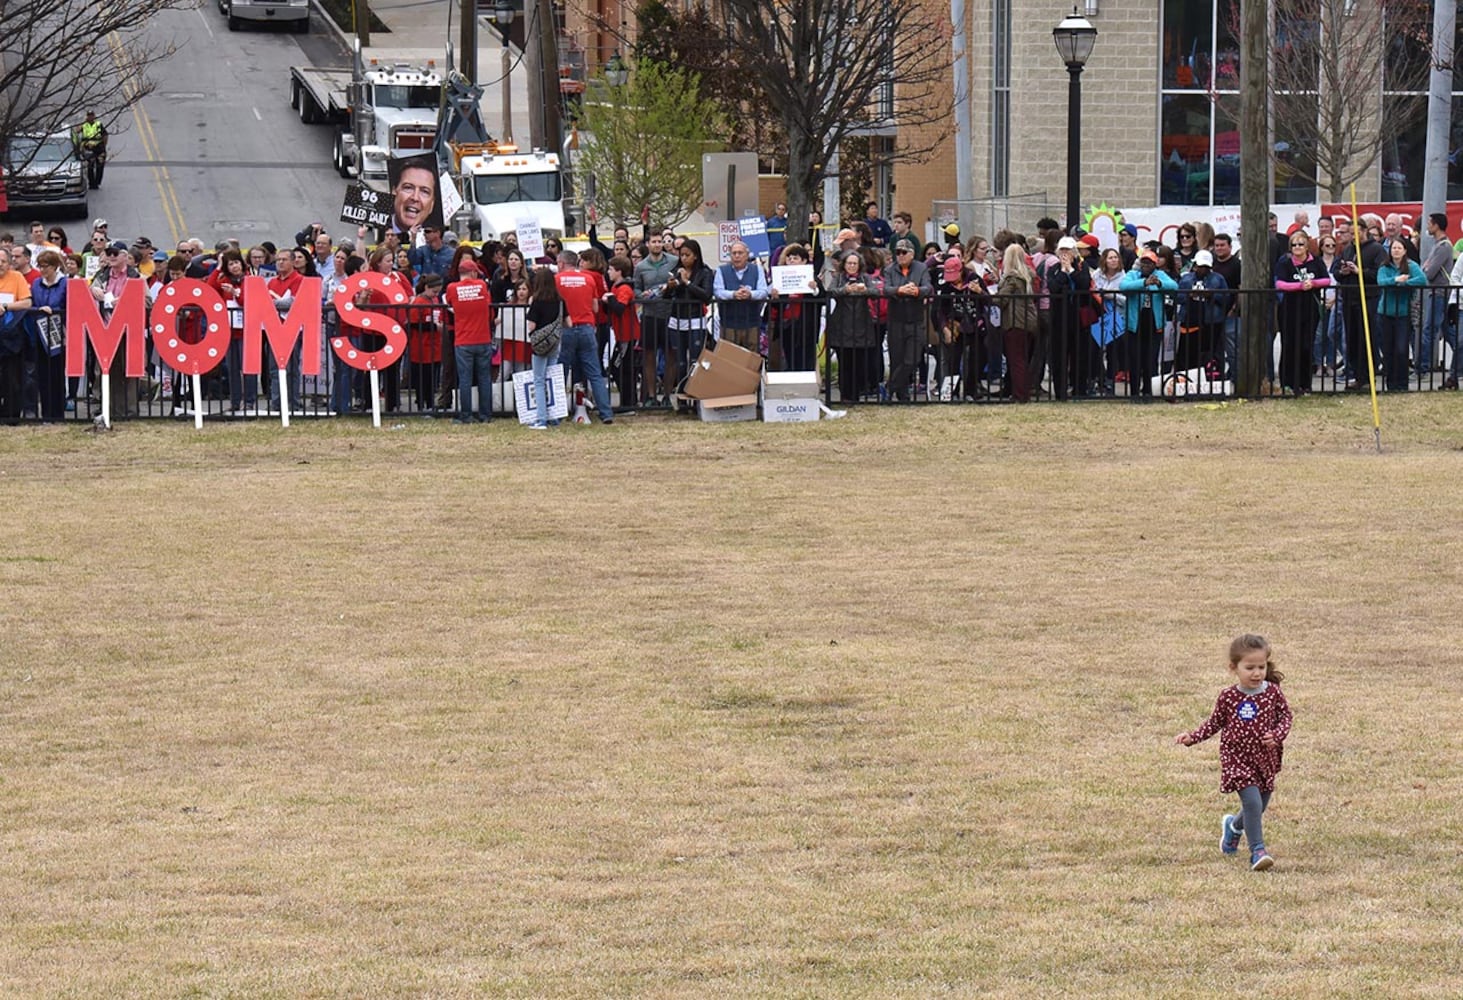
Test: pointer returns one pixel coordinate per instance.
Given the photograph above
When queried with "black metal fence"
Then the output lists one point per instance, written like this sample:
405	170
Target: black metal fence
968	346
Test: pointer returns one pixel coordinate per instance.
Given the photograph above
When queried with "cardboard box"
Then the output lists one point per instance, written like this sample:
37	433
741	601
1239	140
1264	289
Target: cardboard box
790	397
724	370
728	409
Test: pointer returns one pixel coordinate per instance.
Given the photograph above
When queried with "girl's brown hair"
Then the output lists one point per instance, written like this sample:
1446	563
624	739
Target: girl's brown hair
542	287
1248	643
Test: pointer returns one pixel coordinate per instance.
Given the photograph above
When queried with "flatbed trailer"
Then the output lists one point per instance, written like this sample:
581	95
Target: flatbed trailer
319	95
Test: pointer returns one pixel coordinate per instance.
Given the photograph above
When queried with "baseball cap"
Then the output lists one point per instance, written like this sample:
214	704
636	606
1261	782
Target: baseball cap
1090	241
160	256
467	266
1131	230
1203	259
1148	255
99	224
952	229
1066	243
845	234
116	246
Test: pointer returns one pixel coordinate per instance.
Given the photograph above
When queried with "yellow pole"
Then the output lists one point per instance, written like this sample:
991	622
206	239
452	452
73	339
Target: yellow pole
1366	325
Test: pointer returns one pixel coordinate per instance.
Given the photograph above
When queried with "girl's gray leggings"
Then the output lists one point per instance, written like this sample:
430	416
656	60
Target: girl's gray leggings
1252	804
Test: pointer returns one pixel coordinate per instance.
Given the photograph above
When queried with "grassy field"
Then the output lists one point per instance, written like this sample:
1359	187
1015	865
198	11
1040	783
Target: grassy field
881	707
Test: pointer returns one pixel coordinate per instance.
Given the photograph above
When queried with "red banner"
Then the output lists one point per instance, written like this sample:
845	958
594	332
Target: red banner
1411	212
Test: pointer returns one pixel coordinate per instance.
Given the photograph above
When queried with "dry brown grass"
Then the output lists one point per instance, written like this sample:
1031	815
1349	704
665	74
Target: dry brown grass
874	708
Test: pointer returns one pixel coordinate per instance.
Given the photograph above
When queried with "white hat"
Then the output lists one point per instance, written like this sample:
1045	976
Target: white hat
1203	259
1066	243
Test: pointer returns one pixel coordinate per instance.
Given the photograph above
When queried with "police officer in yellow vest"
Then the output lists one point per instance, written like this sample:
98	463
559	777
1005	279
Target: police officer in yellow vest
92	137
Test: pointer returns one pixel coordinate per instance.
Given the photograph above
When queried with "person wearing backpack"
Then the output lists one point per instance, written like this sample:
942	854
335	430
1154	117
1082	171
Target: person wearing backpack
1041	263
874	262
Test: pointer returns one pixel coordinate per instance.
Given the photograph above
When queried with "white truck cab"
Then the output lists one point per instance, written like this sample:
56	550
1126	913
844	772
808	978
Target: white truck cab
502	186
393	110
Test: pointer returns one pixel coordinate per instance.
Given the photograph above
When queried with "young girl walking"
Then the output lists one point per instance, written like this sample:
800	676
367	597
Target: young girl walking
1255	720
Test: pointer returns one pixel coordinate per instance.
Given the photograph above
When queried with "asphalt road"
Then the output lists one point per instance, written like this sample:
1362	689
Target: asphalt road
216	151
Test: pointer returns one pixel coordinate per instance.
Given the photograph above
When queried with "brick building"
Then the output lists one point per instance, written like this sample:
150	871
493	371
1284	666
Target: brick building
1160	115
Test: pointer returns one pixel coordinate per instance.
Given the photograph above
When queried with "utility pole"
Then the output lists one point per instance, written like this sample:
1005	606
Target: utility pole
468	60
548	40
361	14
541	52
1439	116
1254	171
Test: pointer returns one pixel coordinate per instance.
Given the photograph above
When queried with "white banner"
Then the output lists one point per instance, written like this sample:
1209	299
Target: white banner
793	279
558	401
530	239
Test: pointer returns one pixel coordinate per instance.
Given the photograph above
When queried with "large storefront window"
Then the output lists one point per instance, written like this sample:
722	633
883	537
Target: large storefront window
1199	145
1404	157
1199	141
1186	149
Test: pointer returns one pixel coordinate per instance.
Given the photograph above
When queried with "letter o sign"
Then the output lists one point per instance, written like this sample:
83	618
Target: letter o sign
207	353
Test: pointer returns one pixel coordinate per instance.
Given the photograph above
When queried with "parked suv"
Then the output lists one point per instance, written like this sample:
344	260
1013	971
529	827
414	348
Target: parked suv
297	12
44	171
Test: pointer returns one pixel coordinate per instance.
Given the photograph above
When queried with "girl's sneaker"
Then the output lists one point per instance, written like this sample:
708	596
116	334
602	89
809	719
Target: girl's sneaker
1260	861
1228	835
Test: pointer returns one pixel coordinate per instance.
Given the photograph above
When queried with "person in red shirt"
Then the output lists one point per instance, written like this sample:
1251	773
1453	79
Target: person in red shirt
228	280
393	304
283	286
581	292
471	302
624	324
424	340
21	263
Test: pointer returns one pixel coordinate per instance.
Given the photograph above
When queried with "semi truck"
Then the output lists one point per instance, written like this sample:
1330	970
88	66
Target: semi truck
392	103
385	104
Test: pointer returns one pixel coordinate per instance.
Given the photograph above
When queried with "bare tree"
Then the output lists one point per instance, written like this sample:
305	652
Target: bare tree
60	59
695	39
1329	62
836	68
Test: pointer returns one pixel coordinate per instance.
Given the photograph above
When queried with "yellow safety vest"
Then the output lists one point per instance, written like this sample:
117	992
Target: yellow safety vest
91	131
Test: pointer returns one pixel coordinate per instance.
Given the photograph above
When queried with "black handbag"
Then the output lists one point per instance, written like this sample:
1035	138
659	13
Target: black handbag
544	340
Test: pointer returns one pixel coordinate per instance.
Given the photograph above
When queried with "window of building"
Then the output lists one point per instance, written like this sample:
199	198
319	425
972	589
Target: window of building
1404	99
1001	99
1199	136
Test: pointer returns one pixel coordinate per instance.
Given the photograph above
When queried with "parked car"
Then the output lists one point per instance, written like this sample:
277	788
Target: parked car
296	12
43	171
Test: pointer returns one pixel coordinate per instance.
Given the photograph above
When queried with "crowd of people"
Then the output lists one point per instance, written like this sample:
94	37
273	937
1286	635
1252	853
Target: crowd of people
884	314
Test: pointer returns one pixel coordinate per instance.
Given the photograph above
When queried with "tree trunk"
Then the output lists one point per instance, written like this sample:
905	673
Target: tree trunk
1256	310
802	180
